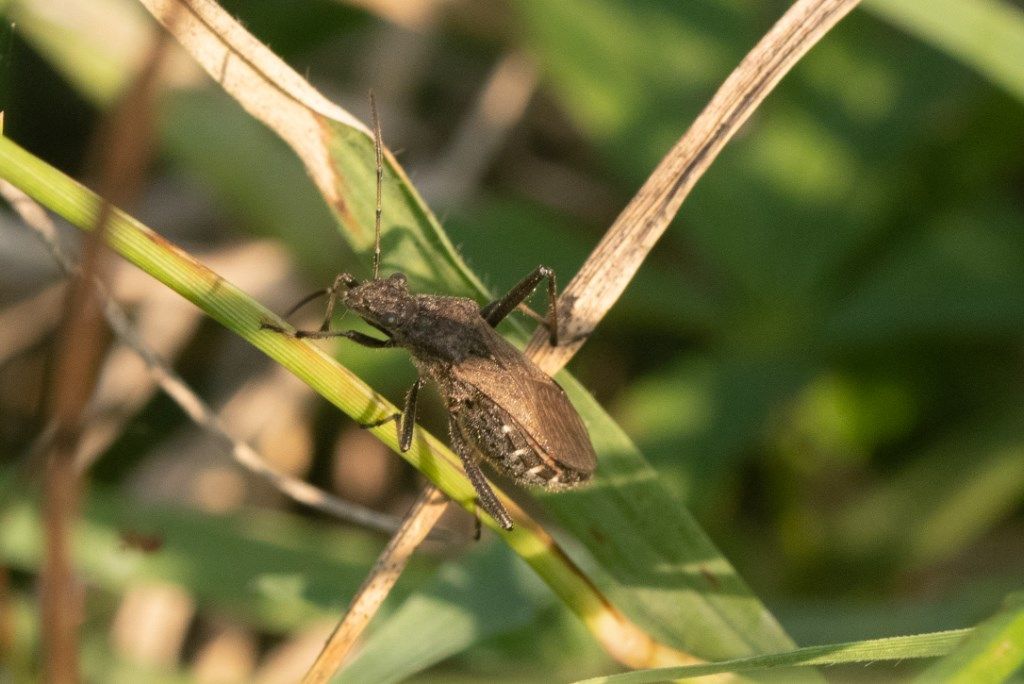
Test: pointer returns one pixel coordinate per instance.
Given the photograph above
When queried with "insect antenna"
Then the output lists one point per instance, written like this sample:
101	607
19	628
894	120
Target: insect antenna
378	148
306	300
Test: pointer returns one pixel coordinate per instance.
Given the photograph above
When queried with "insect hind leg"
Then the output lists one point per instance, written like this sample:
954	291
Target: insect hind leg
485	495
496	311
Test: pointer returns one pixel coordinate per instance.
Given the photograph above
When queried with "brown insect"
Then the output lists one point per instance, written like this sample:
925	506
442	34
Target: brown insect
502	408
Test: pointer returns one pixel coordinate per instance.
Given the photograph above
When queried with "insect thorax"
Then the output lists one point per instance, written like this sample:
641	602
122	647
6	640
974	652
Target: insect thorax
445	330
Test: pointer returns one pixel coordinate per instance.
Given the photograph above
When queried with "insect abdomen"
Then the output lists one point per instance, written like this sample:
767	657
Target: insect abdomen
502	442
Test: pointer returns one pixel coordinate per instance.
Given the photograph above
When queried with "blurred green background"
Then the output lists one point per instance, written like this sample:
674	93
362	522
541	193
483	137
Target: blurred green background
823	357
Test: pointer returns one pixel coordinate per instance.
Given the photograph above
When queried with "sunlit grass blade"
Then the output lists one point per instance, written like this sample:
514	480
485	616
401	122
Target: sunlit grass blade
892	648
987	35
993	651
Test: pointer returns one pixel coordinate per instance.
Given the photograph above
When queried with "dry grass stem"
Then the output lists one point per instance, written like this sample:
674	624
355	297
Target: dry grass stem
120	151
499	106
619	254
176	388
259	80
417	524
29	322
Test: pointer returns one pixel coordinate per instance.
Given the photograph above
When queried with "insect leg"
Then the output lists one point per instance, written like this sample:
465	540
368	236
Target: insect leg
496	311
408	417
354	335
324	331
485	495
405	420
332	297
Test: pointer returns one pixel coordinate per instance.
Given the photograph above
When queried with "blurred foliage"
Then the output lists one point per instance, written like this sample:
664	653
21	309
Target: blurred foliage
823	356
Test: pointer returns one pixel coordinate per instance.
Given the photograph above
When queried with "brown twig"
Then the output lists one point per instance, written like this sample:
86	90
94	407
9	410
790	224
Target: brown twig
386	571
120	151
622	250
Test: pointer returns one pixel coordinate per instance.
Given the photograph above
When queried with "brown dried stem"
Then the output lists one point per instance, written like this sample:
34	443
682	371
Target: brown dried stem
378	584
259	80
622	250
120	151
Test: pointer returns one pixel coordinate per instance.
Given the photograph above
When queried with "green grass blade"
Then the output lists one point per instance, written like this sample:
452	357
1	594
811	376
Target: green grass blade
993	651
892	648
987	35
